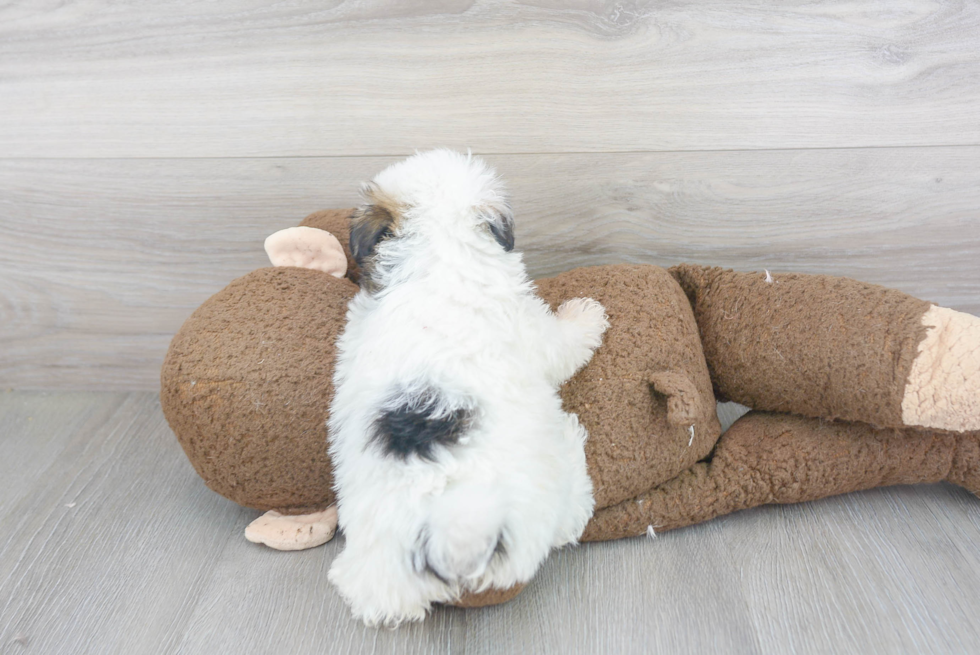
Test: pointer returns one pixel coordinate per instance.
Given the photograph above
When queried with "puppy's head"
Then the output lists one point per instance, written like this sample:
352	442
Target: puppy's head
435	192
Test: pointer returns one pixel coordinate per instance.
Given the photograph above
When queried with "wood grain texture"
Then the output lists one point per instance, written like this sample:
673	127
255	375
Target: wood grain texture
147	560
796	559
102	260
244	79
85	567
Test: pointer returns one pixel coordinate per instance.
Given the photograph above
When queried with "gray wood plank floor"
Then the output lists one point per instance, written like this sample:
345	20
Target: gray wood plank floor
110	543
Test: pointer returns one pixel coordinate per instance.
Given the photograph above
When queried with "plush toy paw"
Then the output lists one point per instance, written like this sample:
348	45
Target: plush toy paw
381	585
943	389
307	247
298	532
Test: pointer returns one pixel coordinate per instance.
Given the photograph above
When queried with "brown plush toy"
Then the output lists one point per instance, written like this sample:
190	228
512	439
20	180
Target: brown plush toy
853	385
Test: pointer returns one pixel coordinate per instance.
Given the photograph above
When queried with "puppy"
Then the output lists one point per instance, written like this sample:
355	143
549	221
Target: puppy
456	468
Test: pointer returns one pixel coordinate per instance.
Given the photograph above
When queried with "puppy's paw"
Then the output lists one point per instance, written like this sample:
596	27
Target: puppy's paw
456	555
381	588
462	533
589	316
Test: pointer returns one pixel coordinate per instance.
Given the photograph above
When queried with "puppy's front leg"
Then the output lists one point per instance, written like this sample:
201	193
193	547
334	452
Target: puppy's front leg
579	326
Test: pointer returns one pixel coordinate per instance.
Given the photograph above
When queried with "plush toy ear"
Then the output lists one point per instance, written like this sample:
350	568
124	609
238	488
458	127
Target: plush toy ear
368	226
684	403
500	221
307	247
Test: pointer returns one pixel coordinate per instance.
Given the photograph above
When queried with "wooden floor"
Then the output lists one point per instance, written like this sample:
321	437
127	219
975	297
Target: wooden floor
112	544
147	149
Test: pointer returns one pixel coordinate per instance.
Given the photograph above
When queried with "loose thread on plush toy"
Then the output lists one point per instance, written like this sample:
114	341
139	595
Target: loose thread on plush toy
769	279
651	533
691	432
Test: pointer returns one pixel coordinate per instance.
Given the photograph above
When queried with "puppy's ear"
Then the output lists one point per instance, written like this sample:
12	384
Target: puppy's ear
368	226
500	222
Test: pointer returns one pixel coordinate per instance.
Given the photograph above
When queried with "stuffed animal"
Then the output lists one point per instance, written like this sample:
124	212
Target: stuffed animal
852	386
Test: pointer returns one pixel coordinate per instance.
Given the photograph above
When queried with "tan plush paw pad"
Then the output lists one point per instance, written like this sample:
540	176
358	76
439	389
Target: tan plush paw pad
943	389
307	247
299	532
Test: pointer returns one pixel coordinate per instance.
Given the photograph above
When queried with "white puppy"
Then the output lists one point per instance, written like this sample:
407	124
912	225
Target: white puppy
456	468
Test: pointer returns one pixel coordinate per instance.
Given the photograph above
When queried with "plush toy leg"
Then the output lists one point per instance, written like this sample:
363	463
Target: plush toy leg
965	470
836	348
943	389
776	458
293	532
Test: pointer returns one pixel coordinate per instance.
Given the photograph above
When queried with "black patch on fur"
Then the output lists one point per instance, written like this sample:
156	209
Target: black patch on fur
418	424
502	229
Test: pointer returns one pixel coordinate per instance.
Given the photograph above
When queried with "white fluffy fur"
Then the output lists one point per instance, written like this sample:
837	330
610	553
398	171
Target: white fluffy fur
452	310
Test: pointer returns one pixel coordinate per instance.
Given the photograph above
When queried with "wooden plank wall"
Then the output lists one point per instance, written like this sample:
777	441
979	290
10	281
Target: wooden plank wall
147	149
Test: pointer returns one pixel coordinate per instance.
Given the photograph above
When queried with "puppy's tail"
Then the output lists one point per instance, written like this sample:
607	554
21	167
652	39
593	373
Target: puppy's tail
463	533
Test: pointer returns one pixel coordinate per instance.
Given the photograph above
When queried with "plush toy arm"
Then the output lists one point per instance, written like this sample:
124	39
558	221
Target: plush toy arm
832	347
776	458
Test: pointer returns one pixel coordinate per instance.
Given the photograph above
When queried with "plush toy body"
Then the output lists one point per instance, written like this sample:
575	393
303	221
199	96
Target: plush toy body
854	386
